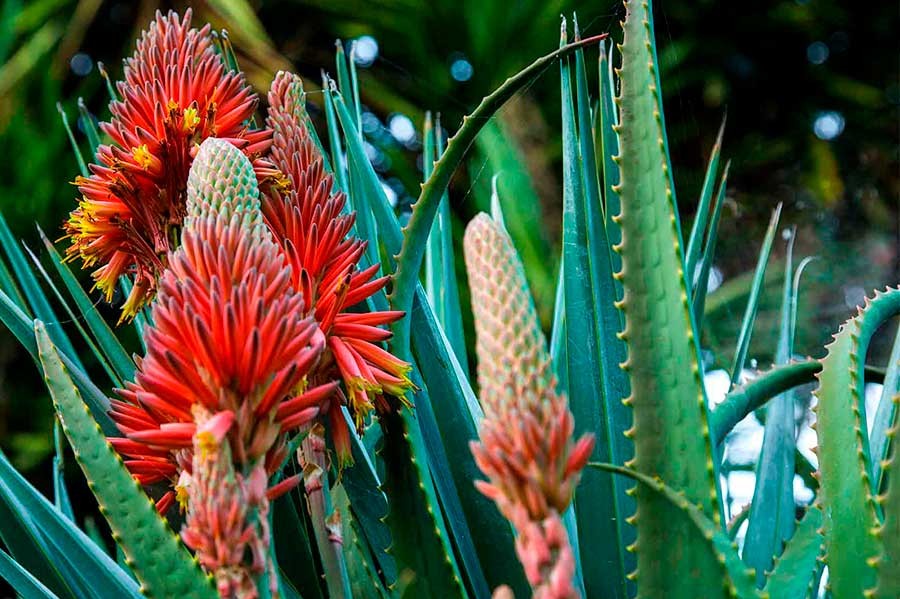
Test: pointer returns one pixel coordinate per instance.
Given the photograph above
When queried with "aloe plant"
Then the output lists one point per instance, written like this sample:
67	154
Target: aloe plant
274	438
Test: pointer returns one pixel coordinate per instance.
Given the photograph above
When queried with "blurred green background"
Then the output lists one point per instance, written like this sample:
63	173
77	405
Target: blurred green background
810	88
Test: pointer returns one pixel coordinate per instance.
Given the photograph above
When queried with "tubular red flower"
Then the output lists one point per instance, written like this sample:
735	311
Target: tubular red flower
177	91
229	334
314	232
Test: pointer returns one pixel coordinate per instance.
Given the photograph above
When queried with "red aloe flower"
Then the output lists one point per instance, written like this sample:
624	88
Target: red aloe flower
177	92
309	222
228	352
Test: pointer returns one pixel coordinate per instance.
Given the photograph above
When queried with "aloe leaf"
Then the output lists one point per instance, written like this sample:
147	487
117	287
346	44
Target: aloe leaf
162	564
17	322
885	414
734	576
25	542
706	193
608	148
75	320
743	343
772	511
558	333
86	120
420	541
368	504
701	280
670	432
20	325
845	469
746	398
334	139
596	384
22	582
72	563
887	565
440	263
112	349
60	492
795	570
37	300
9	287
409	259
457	411
364	578
82	167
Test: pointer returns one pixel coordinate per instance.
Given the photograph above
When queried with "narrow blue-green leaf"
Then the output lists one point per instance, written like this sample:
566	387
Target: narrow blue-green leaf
22	582
558	333
82	167
75	319
163	565
596	384
885	416
450	314
371	188
25	543
700	220
455	411
89	126
101	68
18	323
743	343
60	492
701	284
364	223
112	349
369	504
608	145
33	292
354	86
84	567
10	288
772	510
433	245
334	139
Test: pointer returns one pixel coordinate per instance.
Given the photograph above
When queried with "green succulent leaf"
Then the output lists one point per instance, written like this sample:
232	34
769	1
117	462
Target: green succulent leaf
743	343
795	571
706	195
887	565
596	384
670	432
162	564
845	464
733	575
885	414
51	546
771	521
22	582
745	399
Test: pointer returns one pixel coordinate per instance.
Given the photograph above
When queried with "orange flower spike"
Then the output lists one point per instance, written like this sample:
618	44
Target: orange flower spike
211	401
526	448
309	223
176	92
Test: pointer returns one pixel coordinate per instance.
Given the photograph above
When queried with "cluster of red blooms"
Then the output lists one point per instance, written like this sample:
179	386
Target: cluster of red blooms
177	92
251	259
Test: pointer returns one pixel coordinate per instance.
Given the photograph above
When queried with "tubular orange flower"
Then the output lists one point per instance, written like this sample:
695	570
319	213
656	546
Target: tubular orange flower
225	374
526	447
177	92
310	225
